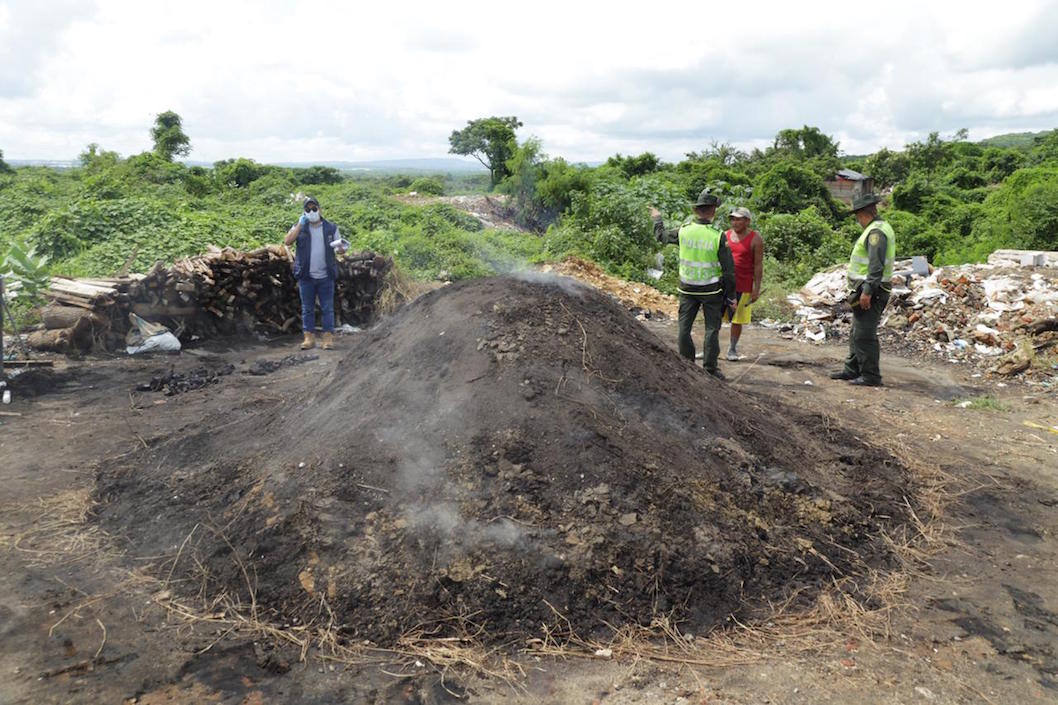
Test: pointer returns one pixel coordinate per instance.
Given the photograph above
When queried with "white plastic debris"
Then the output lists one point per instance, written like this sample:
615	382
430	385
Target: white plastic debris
929	296
816	336
604	653
145	336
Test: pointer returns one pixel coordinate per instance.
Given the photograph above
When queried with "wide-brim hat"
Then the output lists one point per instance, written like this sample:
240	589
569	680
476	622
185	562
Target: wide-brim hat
705	198
867	199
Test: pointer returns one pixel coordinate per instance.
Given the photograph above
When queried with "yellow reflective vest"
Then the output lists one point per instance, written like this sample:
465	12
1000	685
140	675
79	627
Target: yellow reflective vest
699	255
860	260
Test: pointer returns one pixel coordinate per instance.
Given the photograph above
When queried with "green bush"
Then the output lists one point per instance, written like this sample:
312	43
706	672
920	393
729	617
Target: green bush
793	236
315	175
916	235
789	188
238	173
803	243
1022	213
427	185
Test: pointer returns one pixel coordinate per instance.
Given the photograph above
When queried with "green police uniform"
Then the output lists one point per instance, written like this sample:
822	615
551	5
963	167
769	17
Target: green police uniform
707	278
870	272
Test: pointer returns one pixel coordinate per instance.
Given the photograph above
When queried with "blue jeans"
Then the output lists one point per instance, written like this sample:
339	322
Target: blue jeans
310	289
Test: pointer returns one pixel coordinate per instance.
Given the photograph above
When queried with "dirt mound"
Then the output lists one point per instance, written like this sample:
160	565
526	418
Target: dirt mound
641	299
500	453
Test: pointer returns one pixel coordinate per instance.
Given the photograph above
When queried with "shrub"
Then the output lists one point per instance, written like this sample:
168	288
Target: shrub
429	185
238	173
789	188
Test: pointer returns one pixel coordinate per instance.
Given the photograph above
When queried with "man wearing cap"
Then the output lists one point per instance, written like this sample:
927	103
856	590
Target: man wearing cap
747	250
870	283
707	277
316	270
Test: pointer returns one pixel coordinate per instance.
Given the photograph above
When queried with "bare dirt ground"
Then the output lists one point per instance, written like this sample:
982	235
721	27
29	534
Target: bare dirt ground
978	622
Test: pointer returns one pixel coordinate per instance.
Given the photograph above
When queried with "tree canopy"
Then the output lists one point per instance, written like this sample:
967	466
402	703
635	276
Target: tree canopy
491	141
169	138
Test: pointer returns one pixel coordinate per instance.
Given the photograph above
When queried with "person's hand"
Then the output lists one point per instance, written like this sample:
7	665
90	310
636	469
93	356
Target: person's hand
753	298
732	304
865	301
303	221
654	212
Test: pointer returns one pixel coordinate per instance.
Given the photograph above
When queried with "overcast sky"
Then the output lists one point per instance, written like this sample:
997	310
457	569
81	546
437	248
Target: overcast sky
314	81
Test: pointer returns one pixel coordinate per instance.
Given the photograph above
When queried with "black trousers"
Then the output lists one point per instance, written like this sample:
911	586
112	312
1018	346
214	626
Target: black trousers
711	307
864	350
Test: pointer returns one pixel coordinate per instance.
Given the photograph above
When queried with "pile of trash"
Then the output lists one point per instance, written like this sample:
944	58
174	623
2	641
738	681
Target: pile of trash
999	317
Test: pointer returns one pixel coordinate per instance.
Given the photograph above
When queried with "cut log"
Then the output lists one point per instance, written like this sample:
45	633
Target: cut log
77	338
55	317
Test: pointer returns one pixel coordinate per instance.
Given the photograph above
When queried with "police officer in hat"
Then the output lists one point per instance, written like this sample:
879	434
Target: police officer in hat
869	283
707	277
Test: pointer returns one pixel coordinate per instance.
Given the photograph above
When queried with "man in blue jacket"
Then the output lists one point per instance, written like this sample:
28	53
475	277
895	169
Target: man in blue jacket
316	270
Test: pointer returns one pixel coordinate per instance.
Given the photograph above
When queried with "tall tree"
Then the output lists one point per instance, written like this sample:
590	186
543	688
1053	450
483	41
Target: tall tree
491	141
4	166
807	142
169	138
929	155
887	167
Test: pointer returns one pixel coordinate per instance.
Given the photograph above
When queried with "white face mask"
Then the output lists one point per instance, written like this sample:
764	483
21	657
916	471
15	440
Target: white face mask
314	216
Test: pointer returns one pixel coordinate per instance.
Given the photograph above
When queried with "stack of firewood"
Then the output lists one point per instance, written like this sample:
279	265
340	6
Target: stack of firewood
221	292
82	314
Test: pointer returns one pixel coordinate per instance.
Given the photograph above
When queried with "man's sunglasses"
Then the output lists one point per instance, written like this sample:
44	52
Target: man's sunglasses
311	209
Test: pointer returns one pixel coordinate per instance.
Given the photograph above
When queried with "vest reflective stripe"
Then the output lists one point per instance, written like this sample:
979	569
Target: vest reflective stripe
699	254
860	260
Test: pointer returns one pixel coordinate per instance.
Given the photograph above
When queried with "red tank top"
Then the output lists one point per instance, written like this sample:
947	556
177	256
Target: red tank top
742	253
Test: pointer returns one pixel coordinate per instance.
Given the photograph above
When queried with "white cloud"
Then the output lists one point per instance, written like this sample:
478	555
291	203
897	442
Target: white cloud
314	80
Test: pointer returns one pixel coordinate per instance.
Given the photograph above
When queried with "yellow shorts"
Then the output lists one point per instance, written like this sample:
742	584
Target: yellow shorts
742	312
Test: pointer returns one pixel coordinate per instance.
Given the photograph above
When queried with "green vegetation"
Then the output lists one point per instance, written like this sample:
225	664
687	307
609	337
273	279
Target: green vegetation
985	403
169	138
489	140
1020	140
951	200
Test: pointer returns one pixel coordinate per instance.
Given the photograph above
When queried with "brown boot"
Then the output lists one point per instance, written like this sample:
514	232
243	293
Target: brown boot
309	342
328	341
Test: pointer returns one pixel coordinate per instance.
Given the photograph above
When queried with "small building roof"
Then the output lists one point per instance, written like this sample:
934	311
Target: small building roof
852	175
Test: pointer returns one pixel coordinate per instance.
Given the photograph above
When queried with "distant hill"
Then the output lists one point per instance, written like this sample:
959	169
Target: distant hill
52	163
432	165
1019	140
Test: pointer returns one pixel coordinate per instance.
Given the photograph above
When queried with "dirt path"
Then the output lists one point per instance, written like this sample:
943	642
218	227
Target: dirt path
980	623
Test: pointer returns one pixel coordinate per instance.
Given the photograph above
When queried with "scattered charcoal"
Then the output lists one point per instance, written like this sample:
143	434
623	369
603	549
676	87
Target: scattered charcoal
174	382
267	367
